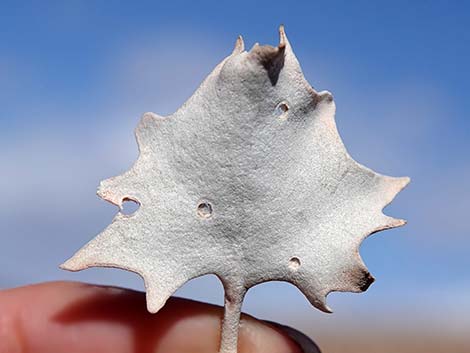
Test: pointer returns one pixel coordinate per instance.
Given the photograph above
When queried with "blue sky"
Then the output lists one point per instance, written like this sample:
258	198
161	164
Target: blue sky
75	77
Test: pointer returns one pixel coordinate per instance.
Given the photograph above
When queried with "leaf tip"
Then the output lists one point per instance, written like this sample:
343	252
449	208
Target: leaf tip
73	264
239	45
320	303
366	281
154	298
283	41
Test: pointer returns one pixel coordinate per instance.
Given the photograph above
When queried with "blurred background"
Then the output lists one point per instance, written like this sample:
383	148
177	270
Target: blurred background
76	76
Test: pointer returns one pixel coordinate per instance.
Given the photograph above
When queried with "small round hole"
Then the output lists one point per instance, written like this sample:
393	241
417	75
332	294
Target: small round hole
204	209
294	263
281	109
129	206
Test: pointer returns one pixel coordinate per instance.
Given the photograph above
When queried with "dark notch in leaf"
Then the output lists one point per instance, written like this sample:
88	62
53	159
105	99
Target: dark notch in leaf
272	59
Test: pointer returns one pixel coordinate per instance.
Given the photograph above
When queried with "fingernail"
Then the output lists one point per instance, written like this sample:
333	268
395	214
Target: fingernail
305	343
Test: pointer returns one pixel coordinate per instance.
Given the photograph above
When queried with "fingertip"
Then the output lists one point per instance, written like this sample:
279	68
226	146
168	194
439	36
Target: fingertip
59	315
264	337
305	343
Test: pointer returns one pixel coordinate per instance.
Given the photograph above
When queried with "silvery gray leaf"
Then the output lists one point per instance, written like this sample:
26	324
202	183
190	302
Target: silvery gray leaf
248	180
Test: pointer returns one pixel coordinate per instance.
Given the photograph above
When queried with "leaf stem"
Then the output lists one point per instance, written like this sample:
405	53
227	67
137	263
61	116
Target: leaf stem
231	321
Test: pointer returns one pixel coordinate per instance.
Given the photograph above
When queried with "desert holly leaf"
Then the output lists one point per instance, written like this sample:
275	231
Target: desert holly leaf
248	180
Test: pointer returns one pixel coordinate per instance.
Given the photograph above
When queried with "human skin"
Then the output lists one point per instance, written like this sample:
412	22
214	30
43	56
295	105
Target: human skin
71	317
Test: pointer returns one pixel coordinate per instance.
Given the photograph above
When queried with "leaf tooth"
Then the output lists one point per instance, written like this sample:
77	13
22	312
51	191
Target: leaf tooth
145	130
393	186
155	301
356	278
111	248
159	289
314	290
116	190
291	60
325	96
365	281
389	223
75	263
320	302
254	47
283	41
239	46
105	191
92	254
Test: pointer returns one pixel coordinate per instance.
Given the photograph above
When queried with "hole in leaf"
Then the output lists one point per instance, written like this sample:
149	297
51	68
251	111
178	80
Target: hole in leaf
294	263
204	209
129	206
281	109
